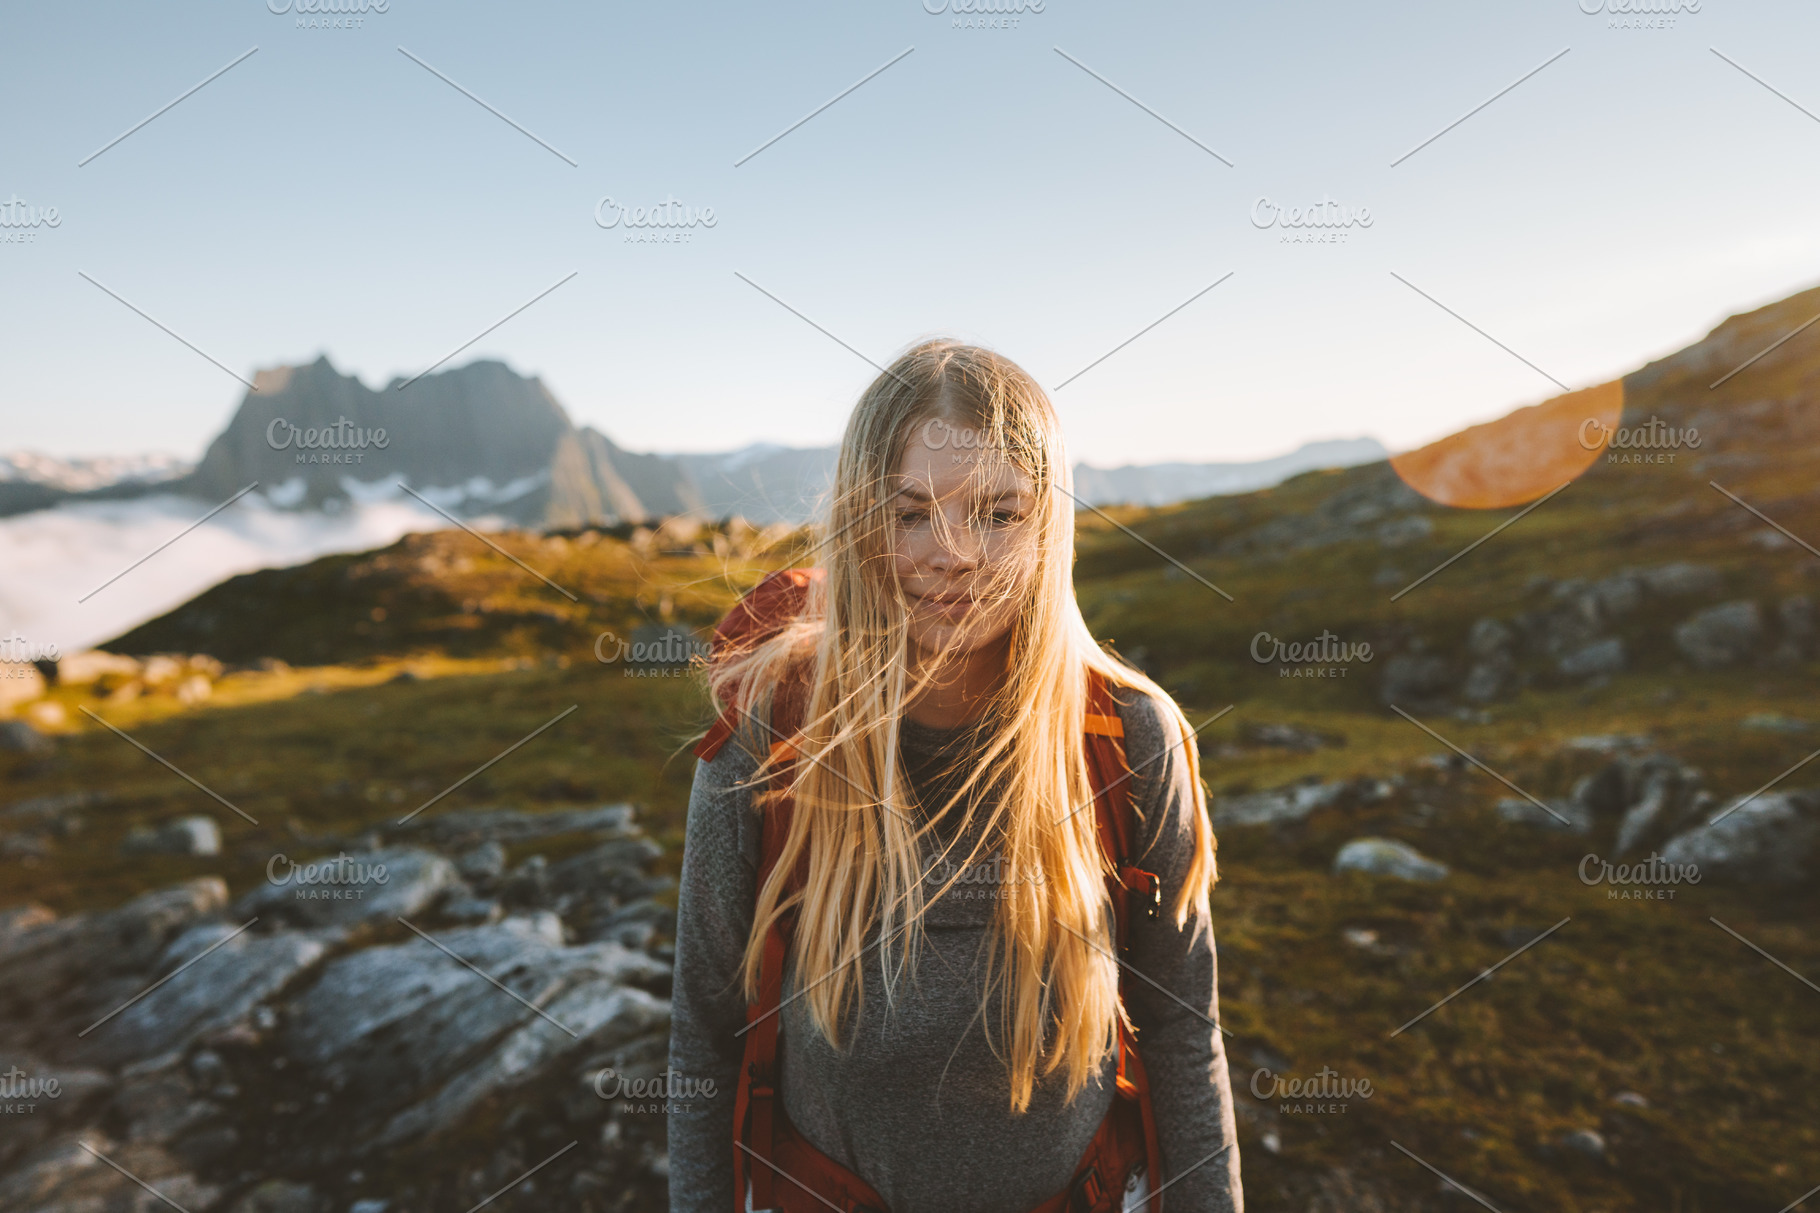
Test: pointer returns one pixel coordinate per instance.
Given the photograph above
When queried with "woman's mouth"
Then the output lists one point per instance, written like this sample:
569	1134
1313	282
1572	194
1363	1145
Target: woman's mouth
947	606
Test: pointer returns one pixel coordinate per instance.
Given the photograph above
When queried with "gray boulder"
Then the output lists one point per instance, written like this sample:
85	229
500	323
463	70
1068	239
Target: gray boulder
1276	806
211	985
1487	680
1570	814
1418	679
1661	796
414	1037
1721	636
1397	532
1490	638
58	969
467	828
65	1176
1600	657
1795	614
1681	578
484	862
282	1196
196	835
1772	839
1387	857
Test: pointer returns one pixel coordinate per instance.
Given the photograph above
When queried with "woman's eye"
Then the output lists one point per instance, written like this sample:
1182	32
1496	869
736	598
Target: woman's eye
911	517
1005	517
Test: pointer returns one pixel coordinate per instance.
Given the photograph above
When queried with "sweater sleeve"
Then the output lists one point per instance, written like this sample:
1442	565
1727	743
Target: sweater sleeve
717	890
1183	1053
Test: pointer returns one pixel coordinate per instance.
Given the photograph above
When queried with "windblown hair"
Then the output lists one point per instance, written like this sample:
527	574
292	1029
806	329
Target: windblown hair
857	830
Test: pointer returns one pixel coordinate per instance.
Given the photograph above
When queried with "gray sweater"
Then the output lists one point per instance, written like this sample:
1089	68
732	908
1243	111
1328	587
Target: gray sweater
915	1101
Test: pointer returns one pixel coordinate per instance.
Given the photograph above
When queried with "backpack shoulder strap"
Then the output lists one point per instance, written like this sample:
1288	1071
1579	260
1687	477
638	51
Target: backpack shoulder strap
1114	809
755	1103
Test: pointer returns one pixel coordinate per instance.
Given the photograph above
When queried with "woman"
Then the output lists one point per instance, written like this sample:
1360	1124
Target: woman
899	893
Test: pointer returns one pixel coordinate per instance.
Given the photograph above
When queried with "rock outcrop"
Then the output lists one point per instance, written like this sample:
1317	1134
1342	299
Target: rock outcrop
337	1038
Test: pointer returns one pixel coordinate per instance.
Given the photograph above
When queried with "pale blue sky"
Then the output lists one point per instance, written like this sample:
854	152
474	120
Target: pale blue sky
330	195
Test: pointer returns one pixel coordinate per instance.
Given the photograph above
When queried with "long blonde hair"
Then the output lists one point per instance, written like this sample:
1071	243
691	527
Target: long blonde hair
855	827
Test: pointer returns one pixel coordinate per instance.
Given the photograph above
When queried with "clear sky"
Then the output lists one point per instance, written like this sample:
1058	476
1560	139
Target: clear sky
328	194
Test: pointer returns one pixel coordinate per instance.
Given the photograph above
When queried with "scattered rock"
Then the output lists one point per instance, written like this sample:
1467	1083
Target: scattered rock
469	828
196	835
472	911
1570	814
81	669
1387	857
1414	679
1407	529
229	973
1679	579
1659	794
383	1024
281	1196
19	737
1722	635
1586	1142
1771	838
1775	722
194	689
485	862
1287	737
1276	806
1600	657
1795	614
1608	743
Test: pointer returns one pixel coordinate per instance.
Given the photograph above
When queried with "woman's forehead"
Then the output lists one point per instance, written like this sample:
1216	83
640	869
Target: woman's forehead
944	472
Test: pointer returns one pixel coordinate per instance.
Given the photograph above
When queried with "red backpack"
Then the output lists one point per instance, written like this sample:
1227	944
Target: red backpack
791	1174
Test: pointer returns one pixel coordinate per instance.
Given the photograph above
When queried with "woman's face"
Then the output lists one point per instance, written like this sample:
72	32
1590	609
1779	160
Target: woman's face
962	537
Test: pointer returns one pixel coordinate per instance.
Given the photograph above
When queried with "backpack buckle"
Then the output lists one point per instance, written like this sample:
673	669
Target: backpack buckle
1088	1191
1146	884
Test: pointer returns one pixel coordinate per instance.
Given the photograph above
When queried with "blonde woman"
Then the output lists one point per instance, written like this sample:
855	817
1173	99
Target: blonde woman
943	939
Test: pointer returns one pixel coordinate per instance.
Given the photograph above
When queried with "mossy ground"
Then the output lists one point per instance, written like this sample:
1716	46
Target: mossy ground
1647	997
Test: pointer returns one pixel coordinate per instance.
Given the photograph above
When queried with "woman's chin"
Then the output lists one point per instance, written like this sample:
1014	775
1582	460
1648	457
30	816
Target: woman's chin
941	637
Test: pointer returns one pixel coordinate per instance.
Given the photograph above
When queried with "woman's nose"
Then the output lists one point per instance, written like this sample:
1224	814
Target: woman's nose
958	548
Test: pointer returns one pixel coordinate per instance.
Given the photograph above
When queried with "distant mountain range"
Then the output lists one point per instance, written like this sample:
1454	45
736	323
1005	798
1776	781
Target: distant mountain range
482	440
